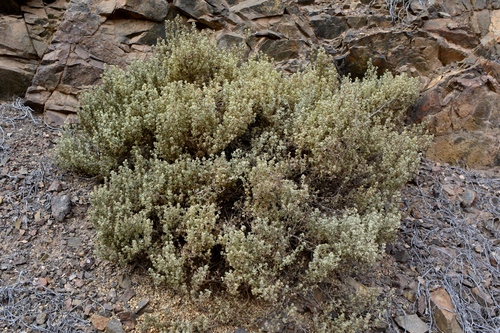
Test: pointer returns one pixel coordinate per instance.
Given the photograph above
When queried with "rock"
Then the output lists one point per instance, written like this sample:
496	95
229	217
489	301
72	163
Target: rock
468	197
10	7
128	294
328	27
99	322
124	281
444	312
18	58
114	326
154	10
141	306
281	50
446	28
402	256
482	297
240	330
255	9
74	242
128	320
229	39
61	206
42	281
91	35
360	289
412	324
209	13
461	113
55	186
41	318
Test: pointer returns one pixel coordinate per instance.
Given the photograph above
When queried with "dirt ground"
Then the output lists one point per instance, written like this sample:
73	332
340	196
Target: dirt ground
51	279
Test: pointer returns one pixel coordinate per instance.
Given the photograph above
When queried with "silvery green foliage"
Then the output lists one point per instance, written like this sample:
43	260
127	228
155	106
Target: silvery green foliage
224	173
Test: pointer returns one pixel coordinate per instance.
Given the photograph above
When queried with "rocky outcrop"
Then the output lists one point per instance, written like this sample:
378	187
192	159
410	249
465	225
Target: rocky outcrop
53	51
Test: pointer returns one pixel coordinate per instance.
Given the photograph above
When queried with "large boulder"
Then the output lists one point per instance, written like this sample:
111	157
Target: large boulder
18	58
92	34
461	108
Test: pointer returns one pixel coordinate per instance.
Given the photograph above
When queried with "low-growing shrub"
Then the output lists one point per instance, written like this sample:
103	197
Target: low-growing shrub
227	175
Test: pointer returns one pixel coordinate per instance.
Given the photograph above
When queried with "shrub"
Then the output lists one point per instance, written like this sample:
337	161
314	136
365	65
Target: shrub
225	174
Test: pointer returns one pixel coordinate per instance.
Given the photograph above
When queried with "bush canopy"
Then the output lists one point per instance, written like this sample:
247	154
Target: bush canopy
226	174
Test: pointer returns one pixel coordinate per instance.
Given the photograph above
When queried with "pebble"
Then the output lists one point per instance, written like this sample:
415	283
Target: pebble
41	318
114	326
60	207
412	324
141	306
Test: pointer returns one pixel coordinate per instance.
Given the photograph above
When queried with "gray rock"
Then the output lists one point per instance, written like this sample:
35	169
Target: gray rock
327	26
240	330
412	324
41	318
154	10
141	306
61	206
114	326
468	197
74	242
18	58
255	9
229	39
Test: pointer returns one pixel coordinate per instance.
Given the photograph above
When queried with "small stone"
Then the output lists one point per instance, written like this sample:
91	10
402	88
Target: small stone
240	330
74	242
42	281
55	186
410	295
141	306
483	298
412	324
124	281
114	326
444	312
401	256
87	309
127	320
68	304
41	318
107	306
99	322
421	305
61	206
449	189
79	283
127	295
468	197
359	288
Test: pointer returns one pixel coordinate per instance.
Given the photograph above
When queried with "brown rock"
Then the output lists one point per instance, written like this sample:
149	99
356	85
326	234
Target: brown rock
448	29
254	9
482	297
42	281
444	312
99	322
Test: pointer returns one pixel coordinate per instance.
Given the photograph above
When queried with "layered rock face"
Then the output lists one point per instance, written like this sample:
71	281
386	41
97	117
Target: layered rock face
53	49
